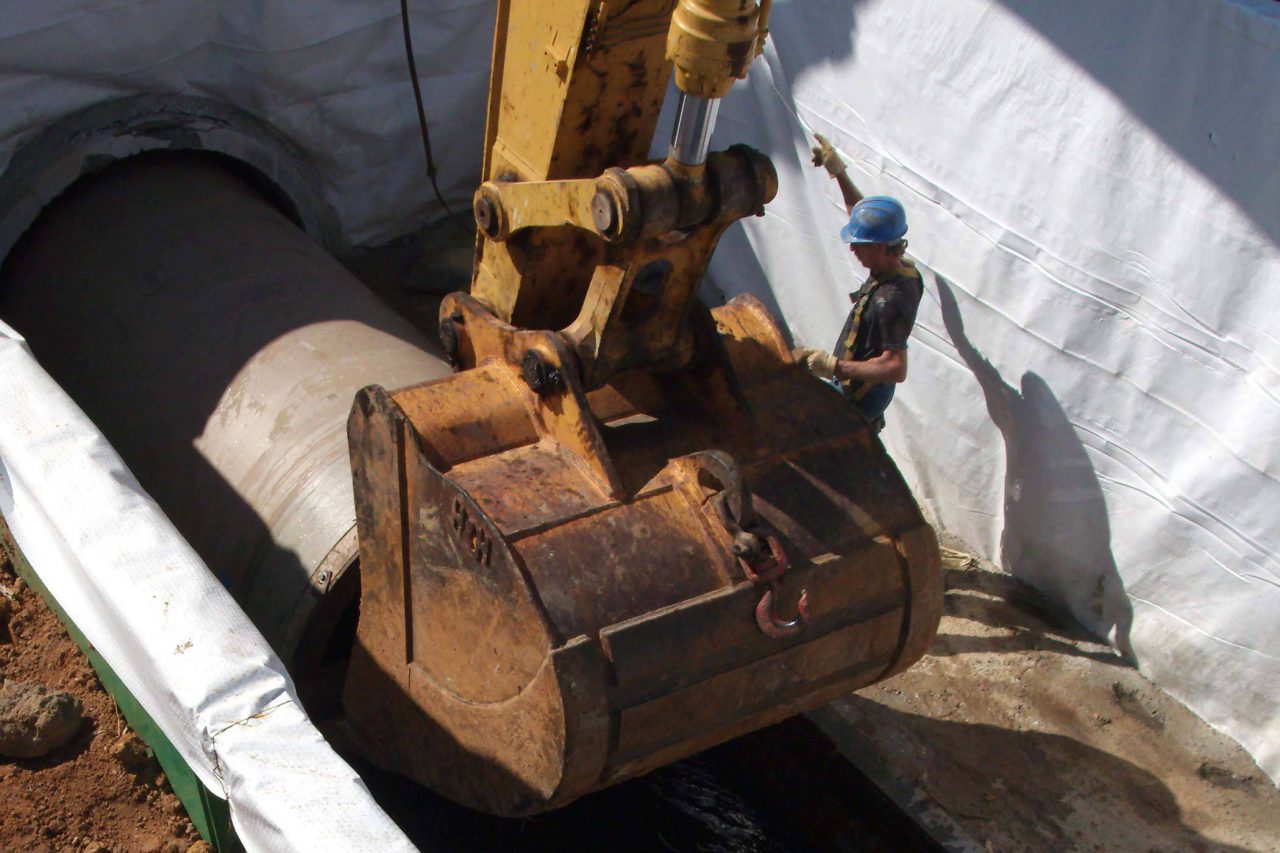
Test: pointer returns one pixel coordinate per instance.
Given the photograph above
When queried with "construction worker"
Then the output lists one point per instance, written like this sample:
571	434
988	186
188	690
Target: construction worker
870	356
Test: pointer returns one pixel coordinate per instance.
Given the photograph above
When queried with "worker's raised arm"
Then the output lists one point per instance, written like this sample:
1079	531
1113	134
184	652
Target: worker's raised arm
827	157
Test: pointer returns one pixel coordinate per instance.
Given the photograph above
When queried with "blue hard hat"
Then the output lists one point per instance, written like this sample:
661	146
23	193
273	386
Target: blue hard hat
875	219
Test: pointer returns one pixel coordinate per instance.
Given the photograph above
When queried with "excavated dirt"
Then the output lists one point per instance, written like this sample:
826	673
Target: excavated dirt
101	791
1031	735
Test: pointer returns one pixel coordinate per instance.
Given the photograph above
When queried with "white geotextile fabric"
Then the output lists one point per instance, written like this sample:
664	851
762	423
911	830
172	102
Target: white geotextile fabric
168	629
1094	397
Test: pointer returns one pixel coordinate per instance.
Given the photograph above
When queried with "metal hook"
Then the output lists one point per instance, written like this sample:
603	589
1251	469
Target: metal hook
773	625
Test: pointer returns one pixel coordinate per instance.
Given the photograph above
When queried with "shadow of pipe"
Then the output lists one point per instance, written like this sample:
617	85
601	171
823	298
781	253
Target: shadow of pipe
1027	789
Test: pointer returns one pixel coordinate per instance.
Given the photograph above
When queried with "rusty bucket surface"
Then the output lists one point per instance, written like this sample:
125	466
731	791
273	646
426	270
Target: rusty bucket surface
548	609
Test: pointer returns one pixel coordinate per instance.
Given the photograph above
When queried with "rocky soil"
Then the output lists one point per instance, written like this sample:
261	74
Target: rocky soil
99	791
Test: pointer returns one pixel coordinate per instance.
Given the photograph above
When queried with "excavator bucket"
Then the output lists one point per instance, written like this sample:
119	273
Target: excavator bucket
563	588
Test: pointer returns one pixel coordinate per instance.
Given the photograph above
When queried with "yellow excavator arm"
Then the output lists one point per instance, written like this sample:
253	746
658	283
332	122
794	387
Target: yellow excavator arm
628	527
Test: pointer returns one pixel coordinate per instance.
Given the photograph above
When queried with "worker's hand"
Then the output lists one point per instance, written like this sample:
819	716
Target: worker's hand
819	362
825	156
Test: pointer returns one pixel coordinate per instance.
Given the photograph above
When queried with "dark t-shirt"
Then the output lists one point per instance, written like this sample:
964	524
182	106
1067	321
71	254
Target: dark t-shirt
885	322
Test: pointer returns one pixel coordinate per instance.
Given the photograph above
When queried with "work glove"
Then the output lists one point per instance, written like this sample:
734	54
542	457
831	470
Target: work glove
819	362
825	156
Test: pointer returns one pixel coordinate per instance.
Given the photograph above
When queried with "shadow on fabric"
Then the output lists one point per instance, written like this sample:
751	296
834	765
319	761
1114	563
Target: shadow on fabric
1057	536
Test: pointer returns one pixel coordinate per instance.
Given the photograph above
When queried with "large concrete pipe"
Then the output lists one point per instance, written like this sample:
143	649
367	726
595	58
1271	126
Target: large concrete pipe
219	350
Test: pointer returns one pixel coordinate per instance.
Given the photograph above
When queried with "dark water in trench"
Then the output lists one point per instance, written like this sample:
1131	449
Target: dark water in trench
780	790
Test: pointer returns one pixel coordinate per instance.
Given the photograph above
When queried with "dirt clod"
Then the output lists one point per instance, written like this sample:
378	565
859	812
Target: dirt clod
1226	778
35	720
1134	703
131	752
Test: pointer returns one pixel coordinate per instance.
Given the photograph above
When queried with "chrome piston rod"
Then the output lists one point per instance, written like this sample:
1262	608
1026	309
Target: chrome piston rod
691	136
